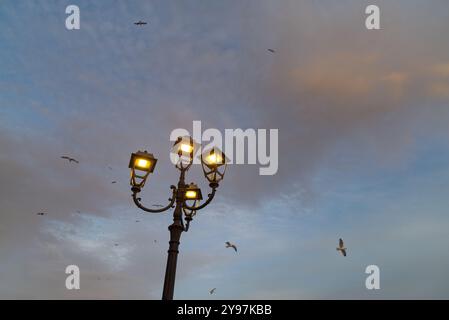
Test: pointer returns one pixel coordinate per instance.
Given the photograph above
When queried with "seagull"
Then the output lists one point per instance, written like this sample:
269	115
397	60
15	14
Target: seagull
212	291
140	23
271	50
341	247
41	213
230	245
70	159
114	182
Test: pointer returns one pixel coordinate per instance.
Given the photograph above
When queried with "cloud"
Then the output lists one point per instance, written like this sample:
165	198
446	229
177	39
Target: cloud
350	105
441	69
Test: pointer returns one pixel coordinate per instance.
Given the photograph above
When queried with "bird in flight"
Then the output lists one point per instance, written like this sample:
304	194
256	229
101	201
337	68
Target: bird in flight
41	213
114	182
155	241
140	23
70	159
212	290
109	167
271	50
137	220
230	245
116	244
341	247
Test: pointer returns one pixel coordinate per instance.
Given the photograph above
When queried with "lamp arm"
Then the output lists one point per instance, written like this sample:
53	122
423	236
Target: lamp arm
209	199
170	205
188	216
187	225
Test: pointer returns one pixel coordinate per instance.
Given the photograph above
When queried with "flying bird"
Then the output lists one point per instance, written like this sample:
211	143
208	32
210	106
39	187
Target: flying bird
155	241
212	290
271	50
70	159
137	220
116	244
109	167
41	213
341	247
140	23
230	245
114	182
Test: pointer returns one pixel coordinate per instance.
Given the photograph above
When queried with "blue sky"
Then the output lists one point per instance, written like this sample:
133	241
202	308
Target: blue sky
363	147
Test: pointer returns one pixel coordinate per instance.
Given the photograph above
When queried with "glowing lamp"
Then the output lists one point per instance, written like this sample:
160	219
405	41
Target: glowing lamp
141	164
193	192
183	151
214	163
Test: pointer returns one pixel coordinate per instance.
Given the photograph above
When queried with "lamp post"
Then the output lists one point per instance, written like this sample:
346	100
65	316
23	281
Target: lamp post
185	198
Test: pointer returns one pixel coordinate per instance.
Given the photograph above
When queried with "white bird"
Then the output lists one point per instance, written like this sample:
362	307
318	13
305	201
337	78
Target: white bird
341	247
230	245
212	291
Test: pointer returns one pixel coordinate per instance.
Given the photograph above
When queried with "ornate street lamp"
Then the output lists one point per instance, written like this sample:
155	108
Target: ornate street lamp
141	164
185	197
214	165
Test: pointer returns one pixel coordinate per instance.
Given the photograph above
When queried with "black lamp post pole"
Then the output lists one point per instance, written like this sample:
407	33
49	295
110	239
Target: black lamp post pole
176	228
145	161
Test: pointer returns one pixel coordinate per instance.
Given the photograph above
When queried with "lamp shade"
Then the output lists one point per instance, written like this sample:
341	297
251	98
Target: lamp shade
141	164
183	151
192	192
214	163
142	160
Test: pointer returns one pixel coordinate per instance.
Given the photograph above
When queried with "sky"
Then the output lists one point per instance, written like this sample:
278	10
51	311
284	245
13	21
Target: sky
363	147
